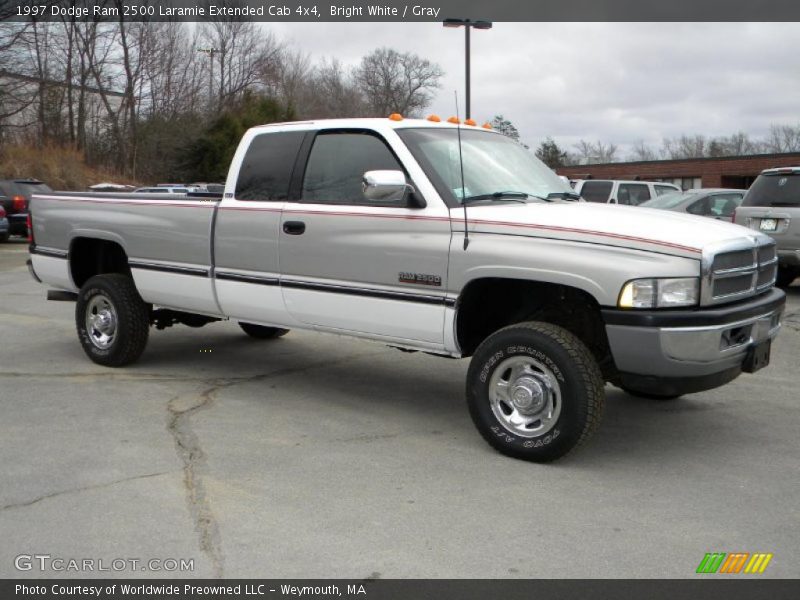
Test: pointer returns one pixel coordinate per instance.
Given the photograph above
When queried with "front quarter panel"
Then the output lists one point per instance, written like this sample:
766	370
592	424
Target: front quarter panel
599	270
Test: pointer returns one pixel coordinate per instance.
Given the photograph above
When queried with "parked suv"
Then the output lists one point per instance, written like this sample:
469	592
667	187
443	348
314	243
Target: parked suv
630	193
772	206
14	197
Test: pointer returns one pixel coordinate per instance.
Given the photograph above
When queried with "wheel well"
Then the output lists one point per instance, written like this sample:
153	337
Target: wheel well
487	305
89	257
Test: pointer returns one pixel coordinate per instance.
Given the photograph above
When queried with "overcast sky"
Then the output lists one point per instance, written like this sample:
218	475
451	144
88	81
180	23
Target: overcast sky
616	82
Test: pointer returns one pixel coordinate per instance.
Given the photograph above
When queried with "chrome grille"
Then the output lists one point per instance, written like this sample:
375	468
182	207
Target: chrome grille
739	269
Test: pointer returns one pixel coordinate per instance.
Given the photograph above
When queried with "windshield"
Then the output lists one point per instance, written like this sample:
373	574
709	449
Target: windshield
493	164
666	201
774	189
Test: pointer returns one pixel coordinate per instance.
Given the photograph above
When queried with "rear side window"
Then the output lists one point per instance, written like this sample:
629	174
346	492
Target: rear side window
633	194
267	166
337	164
664	189
596	191
780	189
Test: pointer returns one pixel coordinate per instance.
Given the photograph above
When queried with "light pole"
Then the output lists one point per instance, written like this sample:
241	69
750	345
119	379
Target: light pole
211	52
467	24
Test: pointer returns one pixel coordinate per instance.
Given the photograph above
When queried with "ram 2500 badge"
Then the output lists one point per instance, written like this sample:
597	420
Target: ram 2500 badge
359	227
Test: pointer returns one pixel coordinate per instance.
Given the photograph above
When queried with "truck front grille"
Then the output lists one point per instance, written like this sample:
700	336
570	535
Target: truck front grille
741	272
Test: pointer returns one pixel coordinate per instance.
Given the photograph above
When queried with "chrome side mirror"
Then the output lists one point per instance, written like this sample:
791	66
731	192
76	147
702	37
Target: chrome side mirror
386	186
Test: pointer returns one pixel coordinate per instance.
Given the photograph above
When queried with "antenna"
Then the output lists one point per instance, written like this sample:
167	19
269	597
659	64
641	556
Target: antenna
463	186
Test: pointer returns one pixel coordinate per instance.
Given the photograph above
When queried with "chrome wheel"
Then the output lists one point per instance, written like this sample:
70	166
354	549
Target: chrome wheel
525	396
101	321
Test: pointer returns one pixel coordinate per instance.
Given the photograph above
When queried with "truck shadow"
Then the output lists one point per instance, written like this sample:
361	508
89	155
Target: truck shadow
417	393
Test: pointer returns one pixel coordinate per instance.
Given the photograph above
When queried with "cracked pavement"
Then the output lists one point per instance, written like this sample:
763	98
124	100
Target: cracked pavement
322	456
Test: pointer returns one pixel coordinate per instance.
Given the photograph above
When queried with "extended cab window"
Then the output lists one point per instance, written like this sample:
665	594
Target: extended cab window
337	164
596	191
267	166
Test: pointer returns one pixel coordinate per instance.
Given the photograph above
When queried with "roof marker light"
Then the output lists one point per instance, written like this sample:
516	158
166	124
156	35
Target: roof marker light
470	122
434	118
453	120
395	117
487	125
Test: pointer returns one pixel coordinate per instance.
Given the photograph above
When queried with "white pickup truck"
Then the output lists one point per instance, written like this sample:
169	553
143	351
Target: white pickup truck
449	239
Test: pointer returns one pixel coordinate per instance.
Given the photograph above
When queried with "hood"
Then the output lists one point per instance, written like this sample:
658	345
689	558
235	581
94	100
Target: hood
635	227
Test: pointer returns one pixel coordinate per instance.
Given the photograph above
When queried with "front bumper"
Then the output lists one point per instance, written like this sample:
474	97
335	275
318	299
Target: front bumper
685	351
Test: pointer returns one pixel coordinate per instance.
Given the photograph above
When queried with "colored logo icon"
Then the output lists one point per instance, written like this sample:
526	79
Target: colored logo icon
734	562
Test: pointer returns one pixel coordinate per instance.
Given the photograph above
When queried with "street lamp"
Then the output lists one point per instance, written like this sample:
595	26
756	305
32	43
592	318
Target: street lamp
210	52
467	24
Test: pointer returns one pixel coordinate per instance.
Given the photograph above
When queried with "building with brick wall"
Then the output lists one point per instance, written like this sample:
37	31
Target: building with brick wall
727	172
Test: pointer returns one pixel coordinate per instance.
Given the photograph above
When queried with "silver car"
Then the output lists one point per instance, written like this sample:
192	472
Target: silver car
717	203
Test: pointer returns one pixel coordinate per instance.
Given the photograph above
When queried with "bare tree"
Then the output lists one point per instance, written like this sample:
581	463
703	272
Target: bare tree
642	152
783	138
332	92
245	57
395	82
588	153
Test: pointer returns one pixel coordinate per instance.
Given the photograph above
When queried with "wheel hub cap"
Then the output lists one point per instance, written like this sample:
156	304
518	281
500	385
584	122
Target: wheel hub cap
525	396
101	321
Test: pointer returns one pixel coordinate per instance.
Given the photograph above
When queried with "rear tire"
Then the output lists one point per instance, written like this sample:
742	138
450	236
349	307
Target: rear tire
786	275
534	391
4	237
112	320
262	332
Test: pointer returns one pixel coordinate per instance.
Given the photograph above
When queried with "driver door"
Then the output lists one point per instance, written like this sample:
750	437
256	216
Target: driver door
362	266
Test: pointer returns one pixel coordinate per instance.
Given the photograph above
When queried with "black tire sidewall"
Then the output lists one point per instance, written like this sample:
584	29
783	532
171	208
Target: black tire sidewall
110	287
572	420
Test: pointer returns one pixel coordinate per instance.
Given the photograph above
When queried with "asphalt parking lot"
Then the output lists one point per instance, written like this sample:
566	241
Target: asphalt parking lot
321	456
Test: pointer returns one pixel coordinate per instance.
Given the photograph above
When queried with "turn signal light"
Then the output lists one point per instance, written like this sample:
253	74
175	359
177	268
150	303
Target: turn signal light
453	120
395	117
434	118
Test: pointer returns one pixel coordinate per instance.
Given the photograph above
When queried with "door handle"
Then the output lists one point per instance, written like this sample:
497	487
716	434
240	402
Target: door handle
294	227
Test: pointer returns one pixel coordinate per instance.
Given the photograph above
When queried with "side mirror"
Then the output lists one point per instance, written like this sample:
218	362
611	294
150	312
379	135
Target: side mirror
386	186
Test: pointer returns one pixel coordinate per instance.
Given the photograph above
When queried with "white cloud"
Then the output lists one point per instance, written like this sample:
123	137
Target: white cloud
617	82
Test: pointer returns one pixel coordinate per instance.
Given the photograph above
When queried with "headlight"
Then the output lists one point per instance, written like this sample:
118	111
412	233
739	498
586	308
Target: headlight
660	293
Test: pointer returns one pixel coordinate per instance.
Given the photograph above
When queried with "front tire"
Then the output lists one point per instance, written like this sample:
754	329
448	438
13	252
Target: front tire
262	332
4	237
112	320
786	275
534	391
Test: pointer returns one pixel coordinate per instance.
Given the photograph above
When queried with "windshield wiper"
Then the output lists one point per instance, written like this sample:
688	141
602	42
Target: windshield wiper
516	196
563	196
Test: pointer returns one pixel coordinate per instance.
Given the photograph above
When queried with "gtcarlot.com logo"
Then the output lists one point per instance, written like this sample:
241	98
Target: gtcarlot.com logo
733	563
46	562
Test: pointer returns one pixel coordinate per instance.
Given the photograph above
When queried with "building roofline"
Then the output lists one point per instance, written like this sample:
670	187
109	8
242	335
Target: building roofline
684	160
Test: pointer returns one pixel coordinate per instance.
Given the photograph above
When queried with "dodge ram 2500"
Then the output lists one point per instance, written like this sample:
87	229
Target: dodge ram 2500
448	239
